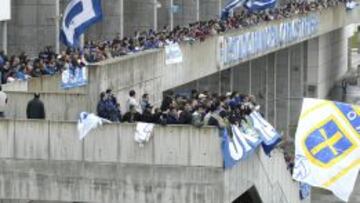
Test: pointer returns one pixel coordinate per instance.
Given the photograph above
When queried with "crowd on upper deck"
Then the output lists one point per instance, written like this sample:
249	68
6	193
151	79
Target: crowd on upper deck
21	67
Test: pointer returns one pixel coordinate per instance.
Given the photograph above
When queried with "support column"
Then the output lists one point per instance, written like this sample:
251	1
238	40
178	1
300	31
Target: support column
171	15
271	89
155	26
197	10
282	90
57	26
122	19
296	85
219	7
250	79
4	38
258	81
241	81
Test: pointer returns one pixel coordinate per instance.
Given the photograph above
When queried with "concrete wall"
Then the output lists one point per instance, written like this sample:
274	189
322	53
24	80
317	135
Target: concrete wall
32	26
327	62
50	140
44	160
58	106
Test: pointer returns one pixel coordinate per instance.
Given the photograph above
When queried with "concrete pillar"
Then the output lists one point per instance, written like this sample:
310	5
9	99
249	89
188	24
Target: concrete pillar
296	85
197	10
155	2
219	7
282	90
57	26
225	80
171	14
241	81
326	62
312	67
121	5
4	37
271	89
258	81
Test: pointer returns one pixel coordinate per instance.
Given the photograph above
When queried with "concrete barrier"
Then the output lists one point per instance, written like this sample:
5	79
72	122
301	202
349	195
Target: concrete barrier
51	140
58	106
41	84
44	160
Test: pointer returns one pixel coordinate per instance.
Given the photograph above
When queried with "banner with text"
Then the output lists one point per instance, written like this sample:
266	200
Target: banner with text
239	143
237	48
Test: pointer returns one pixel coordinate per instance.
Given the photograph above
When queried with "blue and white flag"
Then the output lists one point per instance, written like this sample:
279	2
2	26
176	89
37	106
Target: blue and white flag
305	190
259	5
230	6
237	147
327	140
79	15
74	78
267	132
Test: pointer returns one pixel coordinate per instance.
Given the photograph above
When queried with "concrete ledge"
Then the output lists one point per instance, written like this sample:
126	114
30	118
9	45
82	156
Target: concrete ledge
58	106
113	143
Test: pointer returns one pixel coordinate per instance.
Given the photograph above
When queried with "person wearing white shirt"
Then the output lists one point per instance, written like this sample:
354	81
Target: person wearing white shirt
3	102
132	102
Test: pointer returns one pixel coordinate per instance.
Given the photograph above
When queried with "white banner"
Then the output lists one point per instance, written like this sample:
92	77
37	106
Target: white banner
143	132
173	54
5	10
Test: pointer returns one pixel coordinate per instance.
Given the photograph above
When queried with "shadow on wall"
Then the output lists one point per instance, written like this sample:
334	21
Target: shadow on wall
250	196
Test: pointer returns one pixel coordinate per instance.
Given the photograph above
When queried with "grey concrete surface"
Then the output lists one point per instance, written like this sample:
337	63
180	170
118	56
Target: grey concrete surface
45	161
58	106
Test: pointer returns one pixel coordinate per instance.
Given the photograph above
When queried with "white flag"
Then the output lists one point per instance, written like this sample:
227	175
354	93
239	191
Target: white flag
88	122
143	132
327	152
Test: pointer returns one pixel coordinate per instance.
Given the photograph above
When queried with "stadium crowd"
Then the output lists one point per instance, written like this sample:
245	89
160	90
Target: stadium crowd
21	67
197	109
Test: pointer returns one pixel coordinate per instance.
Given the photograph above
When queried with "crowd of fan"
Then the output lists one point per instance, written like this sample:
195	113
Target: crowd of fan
48	62
198	31
198	109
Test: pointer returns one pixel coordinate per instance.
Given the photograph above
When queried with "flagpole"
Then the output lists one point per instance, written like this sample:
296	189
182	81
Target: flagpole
57	26
171	15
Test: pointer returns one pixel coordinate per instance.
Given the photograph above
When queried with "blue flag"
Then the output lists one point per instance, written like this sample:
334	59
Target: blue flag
268	133
259	5
230	6
79	15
